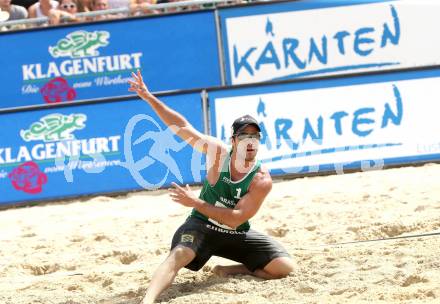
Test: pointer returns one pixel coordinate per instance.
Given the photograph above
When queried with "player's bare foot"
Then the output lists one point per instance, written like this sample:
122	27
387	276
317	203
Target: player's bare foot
145	301
220	271
224	271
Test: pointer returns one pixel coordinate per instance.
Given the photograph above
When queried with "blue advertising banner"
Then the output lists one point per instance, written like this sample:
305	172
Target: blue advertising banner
88	61
360	122
95	148
287	40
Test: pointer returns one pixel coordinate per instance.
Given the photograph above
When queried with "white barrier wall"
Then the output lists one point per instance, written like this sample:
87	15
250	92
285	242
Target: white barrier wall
308	38
328	124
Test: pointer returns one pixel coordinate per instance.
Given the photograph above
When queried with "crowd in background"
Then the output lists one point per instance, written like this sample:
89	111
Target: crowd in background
65	11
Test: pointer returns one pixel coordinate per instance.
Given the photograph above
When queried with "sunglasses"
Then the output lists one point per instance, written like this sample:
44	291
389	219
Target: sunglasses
66	6
242	136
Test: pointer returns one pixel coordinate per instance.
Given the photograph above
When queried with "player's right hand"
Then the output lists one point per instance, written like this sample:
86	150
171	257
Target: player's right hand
138	86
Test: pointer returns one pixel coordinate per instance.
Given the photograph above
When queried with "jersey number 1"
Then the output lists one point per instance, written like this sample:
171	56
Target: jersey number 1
238	193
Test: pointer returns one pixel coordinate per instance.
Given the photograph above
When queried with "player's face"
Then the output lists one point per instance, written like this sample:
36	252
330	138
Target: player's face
246	143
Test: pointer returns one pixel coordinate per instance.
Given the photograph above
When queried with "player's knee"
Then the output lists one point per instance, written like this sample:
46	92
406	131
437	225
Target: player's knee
182	255
286	269
282	272
280	267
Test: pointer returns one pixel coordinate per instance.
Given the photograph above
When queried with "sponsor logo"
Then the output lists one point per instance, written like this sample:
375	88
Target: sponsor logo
56	132
333	134
221	230
226	180
77	56
291	134
57	90
80	44
54	127
187	238
277	50
28	178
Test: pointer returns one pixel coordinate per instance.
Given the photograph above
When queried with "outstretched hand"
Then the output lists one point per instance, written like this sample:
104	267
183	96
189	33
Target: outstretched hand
138	86
183	196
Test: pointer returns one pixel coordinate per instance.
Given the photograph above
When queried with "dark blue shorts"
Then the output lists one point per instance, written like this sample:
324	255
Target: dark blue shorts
251	248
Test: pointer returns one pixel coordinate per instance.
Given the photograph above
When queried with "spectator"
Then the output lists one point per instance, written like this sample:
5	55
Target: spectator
169	9
100	5
15	11
3	15
25	3
142	7
86	4
120	3
66	12
42	8
178	8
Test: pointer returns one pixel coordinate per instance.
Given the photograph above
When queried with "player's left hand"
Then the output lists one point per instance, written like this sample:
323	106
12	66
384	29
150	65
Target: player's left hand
183	196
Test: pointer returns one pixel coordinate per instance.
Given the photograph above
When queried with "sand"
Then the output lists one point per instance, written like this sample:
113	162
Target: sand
105	249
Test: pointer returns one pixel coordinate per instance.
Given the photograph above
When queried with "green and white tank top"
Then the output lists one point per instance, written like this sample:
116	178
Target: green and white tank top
226	193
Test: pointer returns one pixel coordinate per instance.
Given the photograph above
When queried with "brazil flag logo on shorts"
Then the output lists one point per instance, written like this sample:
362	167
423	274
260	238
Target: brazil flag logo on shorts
187	238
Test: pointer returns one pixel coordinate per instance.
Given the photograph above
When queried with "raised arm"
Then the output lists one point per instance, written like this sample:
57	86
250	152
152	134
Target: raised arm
174	120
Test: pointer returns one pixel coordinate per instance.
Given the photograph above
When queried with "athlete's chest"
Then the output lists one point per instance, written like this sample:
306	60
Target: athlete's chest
230	192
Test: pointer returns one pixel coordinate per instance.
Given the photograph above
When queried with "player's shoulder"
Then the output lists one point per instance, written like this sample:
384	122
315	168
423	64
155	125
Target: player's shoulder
212	146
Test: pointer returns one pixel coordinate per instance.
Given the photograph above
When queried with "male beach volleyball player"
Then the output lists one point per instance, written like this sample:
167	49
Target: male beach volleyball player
235	187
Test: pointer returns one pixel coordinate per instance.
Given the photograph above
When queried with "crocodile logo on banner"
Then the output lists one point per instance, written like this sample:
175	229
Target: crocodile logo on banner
54	127
80	44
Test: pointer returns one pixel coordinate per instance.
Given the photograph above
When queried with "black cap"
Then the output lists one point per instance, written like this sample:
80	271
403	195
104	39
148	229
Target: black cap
242	122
